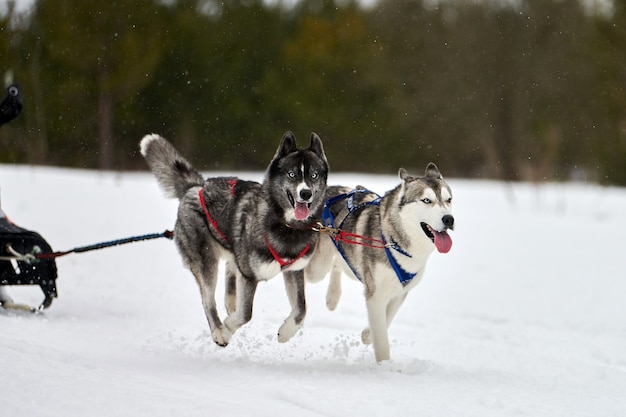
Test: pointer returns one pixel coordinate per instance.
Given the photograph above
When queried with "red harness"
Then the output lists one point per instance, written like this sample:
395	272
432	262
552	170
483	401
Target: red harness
284	263
208	216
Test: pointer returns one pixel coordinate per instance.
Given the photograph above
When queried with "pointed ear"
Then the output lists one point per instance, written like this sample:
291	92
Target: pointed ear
287	145
433	172
403	174
316	146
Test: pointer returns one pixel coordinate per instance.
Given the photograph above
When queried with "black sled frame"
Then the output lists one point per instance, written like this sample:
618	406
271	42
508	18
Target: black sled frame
25	270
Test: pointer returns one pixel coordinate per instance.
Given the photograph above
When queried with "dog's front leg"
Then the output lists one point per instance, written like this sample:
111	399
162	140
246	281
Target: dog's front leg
334	286
393	307
246	288
294	284
377	331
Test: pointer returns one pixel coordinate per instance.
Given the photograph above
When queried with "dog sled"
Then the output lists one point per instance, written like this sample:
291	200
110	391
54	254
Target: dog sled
19	264
26	258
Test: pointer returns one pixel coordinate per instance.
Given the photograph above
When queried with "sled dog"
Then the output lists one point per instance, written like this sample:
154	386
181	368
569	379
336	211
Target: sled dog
385	243
260	229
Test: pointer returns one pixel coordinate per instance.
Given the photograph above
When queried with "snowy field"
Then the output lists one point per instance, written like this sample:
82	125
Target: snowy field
524	317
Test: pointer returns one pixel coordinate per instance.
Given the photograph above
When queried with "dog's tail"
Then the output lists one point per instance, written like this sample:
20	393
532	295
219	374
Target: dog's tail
174	173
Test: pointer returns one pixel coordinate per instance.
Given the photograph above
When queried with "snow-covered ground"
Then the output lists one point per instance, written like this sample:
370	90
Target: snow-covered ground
524	317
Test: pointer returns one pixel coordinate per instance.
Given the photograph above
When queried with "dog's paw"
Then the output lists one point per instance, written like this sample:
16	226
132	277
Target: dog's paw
221	336
365	337
332	299
288	330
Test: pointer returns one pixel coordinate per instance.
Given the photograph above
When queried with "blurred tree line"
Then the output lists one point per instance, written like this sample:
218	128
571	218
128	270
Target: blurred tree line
530	91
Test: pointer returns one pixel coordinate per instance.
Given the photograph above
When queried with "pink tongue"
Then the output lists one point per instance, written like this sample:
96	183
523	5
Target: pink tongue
301	210
443	242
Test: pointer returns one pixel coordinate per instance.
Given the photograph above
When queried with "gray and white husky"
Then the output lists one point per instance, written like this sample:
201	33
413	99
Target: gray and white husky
385	243
260	229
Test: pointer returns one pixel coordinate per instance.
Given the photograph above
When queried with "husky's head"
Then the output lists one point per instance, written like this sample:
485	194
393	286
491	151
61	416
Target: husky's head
296	179
427	200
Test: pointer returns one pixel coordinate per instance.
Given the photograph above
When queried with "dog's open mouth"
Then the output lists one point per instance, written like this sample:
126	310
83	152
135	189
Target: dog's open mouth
301	208
442	240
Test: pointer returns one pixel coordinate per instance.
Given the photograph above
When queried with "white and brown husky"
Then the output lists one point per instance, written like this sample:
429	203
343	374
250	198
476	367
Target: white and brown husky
399	230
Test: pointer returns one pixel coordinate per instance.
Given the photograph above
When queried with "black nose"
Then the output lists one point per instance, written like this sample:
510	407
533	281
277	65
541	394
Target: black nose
305	194
448	220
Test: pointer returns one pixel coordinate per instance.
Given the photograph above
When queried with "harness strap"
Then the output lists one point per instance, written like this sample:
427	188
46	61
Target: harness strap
208	215
329	221
232	184
327	215
284	263
403	275
356	239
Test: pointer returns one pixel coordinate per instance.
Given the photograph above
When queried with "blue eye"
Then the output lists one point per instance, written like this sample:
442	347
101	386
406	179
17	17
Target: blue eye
291	174
314	175
426	200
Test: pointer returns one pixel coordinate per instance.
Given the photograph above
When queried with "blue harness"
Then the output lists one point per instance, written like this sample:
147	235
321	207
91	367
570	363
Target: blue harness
328	219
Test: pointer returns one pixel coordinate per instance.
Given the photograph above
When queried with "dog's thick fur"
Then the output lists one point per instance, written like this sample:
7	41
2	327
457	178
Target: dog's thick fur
416	216
259	228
